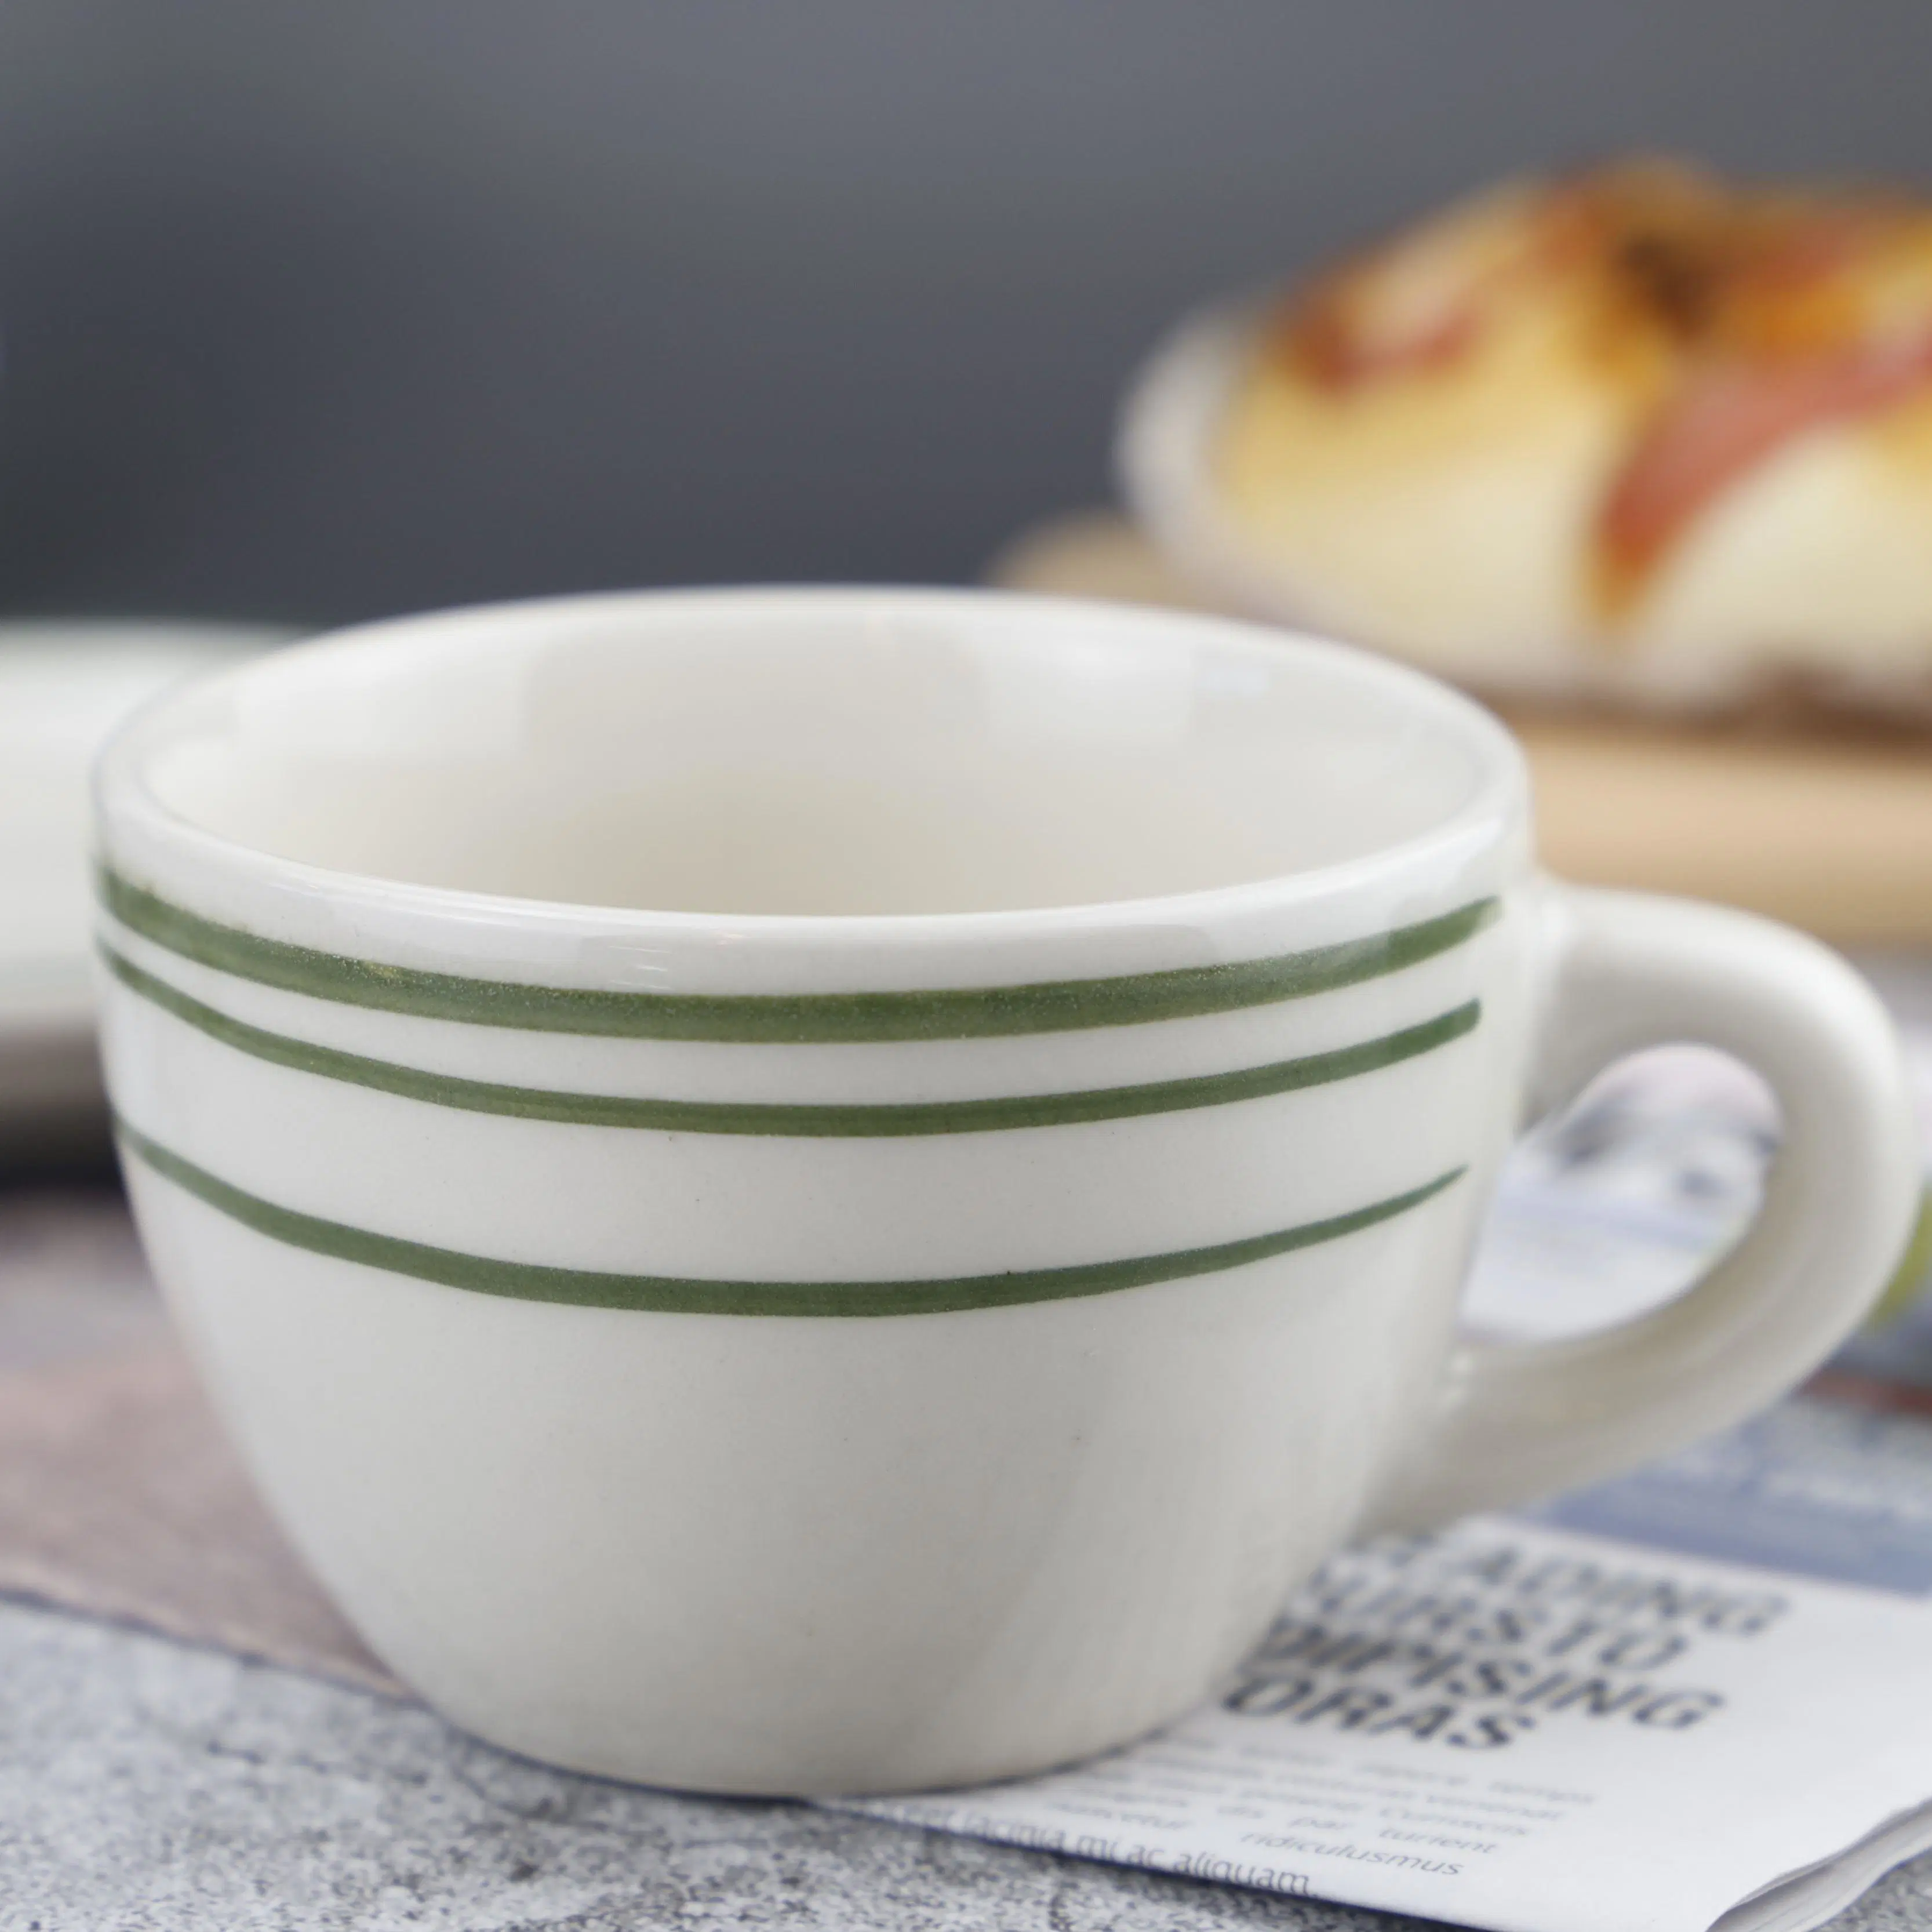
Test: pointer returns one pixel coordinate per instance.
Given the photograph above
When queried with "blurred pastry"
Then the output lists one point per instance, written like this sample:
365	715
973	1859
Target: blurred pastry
1637	433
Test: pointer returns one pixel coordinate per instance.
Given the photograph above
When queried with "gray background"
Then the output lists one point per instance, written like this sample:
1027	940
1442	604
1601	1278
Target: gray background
314	312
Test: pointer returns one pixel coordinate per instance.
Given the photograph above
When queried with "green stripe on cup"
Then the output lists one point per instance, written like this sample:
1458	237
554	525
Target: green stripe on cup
965	1012
525	1281
881	1120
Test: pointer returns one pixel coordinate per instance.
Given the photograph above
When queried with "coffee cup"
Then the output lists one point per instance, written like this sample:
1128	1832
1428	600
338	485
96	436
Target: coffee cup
834	1192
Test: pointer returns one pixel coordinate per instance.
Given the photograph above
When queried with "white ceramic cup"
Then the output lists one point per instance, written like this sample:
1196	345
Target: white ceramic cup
906	1307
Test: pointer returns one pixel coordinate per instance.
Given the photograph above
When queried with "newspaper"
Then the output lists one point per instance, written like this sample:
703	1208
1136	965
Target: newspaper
1698	1696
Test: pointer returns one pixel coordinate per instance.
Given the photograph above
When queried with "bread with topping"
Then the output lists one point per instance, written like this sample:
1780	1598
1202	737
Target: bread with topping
1638	431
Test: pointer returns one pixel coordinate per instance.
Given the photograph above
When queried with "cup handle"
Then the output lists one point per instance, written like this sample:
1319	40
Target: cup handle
1626	970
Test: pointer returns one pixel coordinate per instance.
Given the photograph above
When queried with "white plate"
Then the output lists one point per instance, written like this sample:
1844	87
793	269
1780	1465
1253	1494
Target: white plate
1170	420
64	687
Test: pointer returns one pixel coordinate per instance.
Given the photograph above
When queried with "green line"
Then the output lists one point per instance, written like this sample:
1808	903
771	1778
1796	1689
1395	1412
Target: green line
964	1012
881	1120
528	1281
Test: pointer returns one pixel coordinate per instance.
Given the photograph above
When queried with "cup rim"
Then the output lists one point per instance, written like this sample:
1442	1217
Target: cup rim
135	827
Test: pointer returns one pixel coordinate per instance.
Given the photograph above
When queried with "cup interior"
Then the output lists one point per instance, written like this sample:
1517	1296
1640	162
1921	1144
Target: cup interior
819	753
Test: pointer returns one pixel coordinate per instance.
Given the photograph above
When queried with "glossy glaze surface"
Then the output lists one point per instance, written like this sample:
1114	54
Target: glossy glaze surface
828	1351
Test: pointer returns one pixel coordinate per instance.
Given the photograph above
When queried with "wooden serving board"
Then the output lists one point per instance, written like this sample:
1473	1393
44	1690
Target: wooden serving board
1830	831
